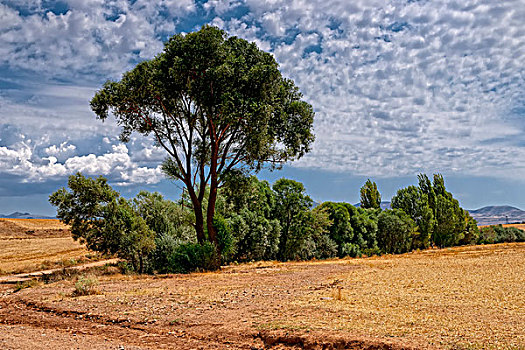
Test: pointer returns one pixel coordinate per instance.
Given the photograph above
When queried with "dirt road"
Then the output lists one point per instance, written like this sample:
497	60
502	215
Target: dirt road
22	277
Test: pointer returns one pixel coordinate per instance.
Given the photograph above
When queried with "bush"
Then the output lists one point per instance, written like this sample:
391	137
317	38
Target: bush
86	286
255	237
325	247
500	234
165	247
189	257
224	237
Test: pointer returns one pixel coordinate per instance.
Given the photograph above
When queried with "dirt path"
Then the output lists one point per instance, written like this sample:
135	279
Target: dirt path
22	277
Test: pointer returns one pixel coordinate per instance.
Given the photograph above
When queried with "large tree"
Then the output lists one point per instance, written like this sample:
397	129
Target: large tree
216	104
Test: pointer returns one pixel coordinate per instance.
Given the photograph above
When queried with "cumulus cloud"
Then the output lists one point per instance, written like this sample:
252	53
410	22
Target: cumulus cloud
20	160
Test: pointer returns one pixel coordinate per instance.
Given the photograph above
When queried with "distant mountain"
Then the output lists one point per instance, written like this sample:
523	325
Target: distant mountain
19	215
384	205
498	214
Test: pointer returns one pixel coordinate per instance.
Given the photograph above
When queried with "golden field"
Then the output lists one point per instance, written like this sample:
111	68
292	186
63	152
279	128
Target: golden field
33	244
459	298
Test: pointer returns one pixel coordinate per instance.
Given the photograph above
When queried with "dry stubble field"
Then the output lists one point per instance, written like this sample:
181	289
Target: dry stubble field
460	298
32	244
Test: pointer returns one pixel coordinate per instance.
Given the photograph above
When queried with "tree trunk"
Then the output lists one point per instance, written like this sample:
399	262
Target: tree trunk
212	200
199	217
199	222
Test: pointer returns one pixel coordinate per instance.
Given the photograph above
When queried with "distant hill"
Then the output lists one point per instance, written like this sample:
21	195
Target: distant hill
498	214
384	205
19	215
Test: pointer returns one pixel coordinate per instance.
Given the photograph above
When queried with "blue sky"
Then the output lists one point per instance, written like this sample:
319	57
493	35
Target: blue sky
399	87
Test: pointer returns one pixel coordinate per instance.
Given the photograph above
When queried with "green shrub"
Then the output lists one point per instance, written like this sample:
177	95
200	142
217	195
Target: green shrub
189	257
500	234
224	237
325	247
351	249
255	237
165	247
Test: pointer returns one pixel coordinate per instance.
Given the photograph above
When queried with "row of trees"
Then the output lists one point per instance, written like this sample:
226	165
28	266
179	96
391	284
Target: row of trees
257	221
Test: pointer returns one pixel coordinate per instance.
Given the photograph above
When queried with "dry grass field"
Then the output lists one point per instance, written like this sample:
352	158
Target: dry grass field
458	298
32	244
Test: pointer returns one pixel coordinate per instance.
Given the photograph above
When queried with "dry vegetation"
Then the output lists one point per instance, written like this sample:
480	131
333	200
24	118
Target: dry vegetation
459	298
31	244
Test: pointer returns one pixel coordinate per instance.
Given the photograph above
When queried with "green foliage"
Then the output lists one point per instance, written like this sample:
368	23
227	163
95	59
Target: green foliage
471	234
189	257
103	220
366	227
414	201
352	227
291	206
307	237
437	214
450	222
341	230
224	237
370	197
248	207
499	234
255	221
164	216
351	250
256	237
84	208
137	241
395	231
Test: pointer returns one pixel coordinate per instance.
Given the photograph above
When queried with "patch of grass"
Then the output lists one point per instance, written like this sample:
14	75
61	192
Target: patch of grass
26	284
86	285
72	273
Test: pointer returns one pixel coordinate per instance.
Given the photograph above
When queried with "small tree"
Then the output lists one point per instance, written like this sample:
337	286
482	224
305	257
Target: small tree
291	206
215	104
341	230
413	201
103	220
370	197
395	231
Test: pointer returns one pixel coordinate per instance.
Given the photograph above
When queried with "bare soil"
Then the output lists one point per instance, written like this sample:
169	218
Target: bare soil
460	298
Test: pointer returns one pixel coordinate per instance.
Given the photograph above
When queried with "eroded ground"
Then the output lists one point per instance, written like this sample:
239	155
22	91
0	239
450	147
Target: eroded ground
461	298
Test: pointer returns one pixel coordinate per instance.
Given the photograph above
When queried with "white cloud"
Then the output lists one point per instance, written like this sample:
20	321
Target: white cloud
21	160
92	37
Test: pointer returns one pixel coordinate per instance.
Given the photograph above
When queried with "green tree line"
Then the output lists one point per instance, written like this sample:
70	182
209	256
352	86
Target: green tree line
258	221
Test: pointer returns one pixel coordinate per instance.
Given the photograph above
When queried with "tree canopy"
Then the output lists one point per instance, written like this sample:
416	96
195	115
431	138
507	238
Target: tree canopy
216	104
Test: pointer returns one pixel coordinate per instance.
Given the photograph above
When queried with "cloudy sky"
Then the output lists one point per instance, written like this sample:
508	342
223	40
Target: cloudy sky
399	87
